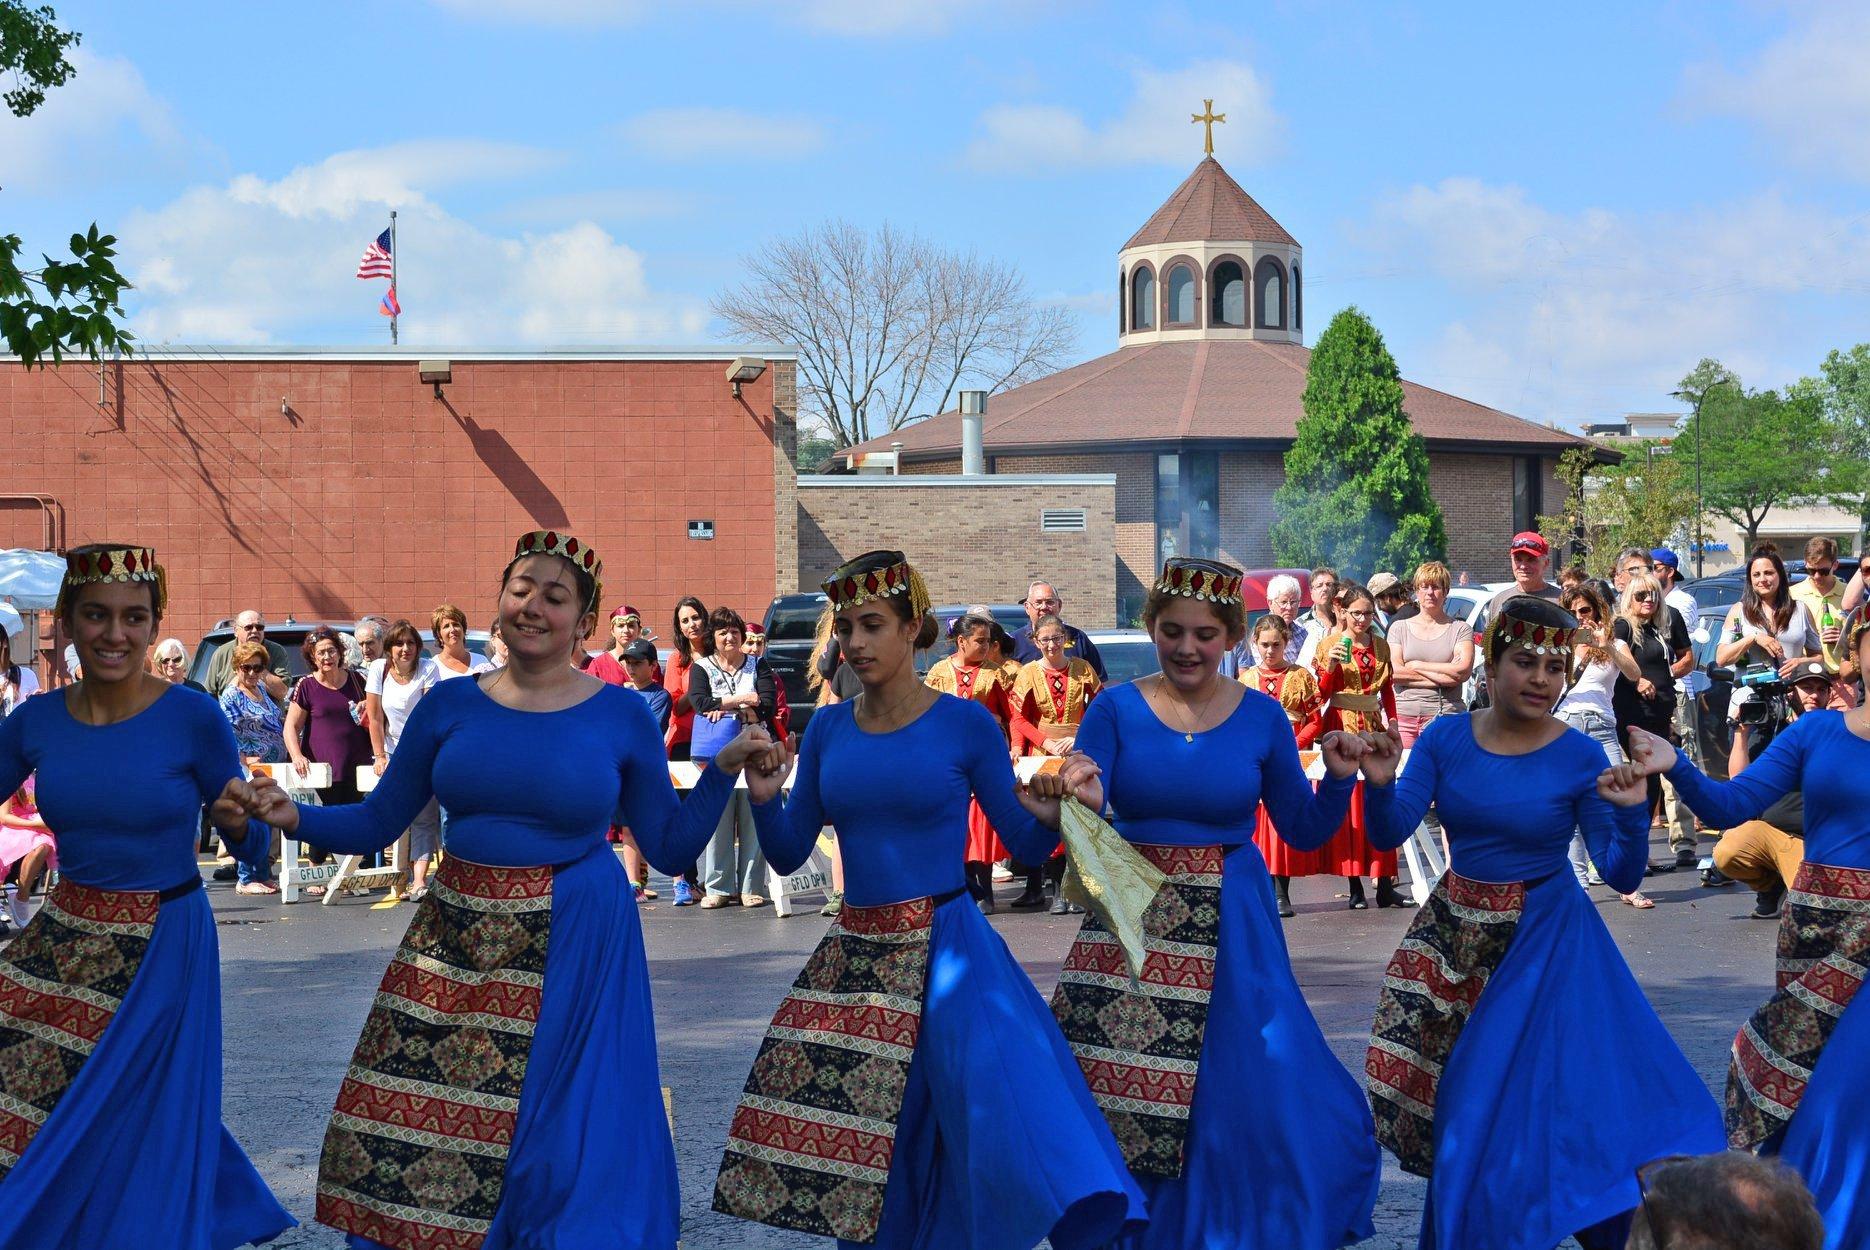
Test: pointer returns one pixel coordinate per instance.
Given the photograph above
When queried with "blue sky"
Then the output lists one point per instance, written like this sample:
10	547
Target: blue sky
1555	211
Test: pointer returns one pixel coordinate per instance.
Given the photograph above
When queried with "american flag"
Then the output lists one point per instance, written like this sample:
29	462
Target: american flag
376	261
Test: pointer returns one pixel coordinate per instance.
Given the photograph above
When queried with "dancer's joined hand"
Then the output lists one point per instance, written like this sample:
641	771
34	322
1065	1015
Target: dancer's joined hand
1649	753
1383	750
766	775
1342	752
1624	784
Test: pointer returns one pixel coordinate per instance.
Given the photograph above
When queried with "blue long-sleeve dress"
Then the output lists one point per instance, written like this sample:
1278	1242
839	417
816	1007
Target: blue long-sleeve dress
110	1008
1241	1126
504	1093
913	1090
1514	1061
1798	1086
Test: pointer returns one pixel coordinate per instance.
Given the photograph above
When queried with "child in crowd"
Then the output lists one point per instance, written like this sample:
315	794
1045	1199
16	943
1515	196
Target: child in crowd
24	840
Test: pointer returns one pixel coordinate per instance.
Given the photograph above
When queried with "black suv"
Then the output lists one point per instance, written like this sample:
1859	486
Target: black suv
791	622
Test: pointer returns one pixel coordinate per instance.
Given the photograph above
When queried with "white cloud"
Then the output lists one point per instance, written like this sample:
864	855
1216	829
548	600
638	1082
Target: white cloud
1808	90
105	124
688	134
1153	127
256	261
1563	313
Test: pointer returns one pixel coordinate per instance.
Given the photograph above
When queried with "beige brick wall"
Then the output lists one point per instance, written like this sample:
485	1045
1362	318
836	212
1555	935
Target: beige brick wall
1476	497
1248	480
1135	541
972	543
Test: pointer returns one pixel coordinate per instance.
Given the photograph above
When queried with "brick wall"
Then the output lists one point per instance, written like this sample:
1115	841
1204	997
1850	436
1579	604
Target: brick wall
1476	497
1135	542
973	542
785	476
369	494
1248	480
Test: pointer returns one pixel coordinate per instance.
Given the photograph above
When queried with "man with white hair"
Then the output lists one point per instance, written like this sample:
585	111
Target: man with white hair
249	626
1282	601
1043	600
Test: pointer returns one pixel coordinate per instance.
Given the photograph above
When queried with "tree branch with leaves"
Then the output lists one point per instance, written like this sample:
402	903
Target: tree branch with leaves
62	305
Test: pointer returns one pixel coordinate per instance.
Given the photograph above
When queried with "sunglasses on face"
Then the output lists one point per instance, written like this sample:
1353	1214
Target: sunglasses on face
1644	596
169	660
251	668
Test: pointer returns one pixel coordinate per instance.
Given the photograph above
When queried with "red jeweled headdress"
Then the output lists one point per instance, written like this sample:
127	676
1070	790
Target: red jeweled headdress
114	564
555	543
1206	580
847	589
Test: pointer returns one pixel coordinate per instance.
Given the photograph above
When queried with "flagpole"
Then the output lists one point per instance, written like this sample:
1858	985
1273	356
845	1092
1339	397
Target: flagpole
398	299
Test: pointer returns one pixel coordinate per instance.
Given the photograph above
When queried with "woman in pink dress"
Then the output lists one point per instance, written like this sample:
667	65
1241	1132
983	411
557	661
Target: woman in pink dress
24	840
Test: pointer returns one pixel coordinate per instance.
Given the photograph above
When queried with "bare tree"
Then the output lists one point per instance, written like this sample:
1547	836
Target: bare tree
890	326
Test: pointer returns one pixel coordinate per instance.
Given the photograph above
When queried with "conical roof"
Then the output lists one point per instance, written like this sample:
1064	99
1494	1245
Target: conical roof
1210	206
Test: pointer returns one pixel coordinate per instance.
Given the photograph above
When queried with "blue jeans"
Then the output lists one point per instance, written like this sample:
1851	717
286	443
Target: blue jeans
1603	731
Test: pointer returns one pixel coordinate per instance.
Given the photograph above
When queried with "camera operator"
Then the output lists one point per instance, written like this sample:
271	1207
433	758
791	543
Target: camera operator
1765	854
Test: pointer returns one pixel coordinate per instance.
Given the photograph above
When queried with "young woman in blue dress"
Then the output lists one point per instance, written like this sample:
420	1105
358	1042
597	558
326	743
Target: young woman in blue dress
913	1090
110	1010
1514	1061
1239	1124
504	1094
1797	1086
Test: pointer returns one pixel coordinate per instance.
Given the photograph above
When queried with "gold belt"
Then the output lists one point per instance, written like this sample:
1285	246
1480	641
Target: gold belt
1344	701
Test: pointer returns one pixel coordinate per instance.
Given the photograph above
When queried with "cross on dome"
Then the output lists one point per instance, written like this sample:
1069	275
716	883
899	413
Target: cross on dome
1207	117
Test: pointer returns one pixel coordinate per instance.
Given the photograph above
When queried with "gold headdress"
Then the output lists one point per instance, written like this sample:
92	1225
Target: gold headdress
890	575
1508	629
580	553
113	564
1207	580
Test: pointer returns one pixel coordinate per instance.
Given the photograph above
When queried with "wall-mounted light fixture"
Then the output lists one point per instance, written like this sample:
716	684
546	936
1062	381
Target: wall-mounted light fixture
437	372
744	369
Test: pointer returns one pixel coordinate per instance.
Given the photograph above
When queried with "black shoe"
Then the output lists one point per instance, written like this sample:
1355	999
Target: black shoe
226	872
1714	879
1060	907
1029	898
1282	891
1285	909
1357	894
1685	857
1389	896
1655	868
1766	906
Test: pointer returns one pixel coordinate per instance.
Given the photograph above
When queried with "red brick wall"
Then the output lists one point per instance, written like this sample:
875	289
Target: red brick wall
369	494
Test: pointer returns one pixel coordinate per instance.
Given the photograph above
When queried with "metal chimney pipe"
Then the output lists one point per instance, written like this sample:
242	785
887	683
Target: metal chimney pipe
973	421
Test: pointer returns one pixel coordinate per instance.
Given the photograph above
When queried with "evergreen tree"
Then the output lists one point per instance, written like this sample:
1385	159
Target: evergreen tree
1356	492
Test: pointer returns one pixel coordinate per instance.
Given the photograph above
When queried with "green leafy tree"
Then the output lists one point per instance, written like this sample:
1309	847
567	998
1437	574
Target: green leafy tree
1356	492
63	305
1643	499
1843	390
1757	450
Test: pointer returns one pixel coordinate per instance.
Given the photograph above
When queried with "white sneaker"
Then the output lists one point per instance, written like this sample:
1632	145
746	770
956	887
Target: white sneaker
18	910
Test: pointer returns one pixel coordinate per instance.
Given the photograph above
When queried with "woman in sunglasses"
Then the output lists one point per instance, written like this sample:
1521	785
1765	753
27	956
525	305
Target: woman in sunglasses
1647	700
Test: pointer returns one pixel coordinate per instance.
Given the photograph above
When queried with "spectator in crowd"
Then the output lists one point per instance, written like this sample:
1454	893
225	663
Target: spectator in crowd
1630	562
393	685
626	627
259	732
1575	573
831	680
1433	655
169	661
1293	687
1674	626
1589	706
1822	595
1322	617
27	843
1647	701
17	681
496	646
1765	854
249	626
1047	703
782	707
1392	598
1690	683
729	689
639	664
325	724
452	657
1854	592
1355	679
1043	600
1728	1201
967	673
368	635
1529	553
1767	626
692	642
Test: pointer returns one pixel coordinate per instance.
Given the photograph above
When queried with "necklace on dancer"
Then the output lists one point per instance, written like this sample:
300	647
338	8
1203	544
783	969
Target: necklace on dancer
1188	734
881	718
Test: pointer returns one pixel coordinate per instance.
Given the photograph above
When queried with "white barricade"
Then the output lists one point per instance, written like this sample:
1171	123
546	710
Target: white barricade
1422	852
349	873
812	877
332	874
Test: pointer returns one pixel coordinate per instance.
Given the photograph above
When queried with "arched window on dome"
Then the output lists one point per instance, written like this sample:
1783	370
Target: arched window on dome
1123	321
1181	296
1269	304
1298	300
1227	295
1142	299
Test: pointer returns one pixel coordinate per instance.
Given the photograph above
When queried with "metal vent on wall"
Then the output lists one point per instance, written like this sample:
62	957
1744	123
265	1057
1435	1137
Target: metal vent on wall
1061	520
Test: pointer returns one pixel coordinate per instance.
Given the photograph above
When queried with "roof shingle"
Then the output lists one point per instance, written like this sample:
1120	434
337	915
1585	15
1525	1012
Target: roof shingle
1209	206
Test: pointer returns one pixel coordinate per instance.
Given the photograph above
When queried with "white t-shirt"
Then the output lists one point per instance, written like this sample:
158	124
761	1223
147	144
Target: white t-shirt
400	697
1694	681
12	695
1593	691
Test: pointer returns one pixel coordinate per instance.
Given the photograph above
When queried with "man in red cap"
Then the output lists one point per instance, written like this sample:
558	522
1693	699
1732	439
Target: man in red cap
1528	552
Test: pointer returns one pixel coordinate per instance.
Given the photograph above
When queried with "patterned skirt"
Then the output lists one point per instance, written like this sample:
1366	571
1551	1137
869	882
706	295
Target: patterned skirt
912	1090
510	1052
1824	949
110	1017
1211	1067
1509	1044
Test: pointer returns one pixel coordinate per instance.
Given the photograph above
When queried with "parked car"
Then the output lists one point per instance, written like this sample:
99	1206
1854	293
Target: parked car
290	634
1127	653
791	623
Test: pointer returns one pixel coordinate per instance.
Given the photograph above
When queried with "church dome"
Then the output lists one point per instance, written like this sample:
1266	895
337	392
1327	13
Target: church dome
1210	264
